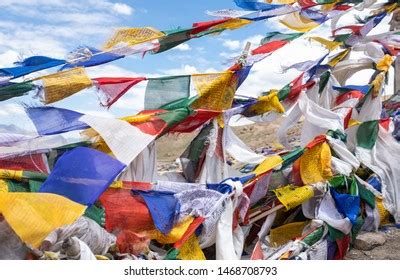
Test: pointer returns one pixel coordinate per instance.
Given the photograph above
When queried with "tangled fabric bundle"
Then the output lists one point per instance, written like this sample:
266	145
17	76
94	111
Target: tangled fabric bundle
86	187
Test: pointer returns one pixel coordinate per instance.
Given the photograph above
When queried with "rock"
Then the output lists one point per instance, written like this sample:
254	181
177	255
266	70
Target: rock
369	240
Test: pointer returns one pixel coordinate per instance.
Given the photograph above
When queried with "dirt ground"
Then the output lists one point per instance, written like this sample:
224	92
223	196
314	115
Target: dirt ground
388	251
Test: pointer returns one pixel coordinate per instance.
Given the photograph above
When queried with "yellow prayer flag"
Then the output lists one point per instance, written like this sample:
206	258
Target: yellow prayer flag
233	23
216	91
337	58
174	235
283	234
291	196
268	164
137	118
33	216
383	213
133	36
11	174
353	122
330	45
299	23
191	250
3	186
385	63
267	103
315	164
330	6
377	84
117	185
60	85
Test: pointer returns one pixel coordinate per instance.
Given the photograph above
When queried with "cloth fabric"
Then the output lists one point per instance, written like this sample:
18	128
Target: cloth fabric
143	168
239	150
88	231
163	206
315	164
112	89
297	22
64	84
126	141
191	250
51	120
383	159
292	197
125	212
328	213
82	175
132	36
34	215
89	56
161	91
12	90
348	205
30	65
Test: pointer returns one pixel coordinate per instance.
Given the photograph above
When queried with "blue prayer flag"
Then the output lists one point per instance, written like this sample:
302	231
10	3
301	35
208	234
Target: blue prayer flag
363	89
82	175
96	57
30	65
163	207
52	120
254	5
348	205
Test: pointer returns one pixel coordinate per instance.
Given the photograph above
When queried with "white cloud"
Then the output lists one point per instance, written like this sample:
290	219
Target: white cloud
253	40
8	57
183	70
183	47
123	9
231	44
53	28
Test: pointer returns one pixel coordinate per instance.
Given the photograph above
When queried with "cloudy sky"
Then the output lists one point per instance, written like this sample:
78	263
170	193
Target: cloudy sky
54	28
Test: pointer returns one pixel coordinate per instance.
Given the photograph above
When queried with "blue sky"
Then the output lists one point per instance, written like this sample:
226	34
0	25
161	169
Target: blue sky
53	28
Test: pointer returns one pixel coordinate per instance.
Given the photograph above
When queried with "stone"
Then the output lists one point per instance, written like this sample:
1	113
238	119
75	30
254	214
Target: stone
369	240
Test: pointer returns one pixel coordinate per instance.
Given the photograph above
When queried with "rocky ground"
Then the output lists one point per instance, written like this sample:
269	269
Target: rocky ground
372	249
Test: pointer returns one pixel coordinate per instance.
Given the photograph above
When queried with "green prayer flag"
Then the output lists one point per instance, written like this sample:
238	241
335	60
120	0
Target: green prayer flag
162	91
15	90
367	134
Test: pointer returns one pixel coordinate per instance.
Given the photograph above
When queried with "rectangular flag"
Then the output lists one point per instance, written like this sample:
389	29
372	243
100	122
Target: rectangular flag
112	89
33	216
132	36
63	84
82	175
161	91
